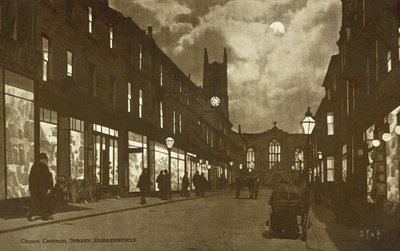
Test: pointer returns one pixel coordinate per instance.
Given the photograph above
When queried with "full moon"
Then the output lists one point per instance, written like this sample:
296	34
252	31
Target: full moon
277	27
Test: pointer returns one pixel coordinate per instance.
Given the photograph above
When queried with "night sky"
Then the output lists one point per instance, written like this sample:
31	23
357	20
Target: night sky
272	76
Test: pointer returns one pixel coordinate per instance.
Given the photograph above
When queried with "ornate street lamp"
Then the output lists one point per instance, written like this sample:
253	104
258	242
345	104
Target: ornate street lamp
170	143
308	123
307	126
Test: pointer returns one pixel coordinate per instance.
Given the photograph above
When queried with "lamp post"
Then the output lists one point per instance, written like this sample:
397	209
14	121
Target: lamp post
307	126
170	143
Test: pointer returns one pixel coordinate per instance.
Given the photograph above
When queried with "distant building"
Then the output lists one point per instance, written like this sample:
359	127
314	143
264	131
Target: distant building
275	155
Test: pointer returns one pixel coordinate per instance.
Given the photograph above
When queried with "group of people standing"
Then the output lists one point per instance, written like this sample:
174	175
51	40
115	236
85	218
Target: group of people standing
164	185
200	184
252	183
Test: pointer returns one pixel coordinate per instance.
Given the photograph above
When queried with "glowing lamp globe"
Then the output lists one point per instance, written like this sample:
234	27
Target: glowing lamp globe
308	123
387	137
376	142
169	142
397	129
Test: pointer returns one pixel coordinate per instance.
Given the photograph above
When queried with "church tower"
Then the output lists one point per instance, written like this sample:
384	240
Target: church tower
215	82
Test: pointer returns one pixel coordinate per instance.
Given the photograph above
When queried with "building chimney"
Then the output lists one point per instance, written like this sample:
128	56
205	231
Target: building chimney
150	32
225	56
205	56
189	75
240	129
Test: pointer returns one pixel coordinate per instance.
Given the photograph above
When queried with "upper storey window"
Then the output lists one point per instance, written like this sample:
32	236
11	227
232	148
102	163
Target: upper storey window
90	19
111	36
70	61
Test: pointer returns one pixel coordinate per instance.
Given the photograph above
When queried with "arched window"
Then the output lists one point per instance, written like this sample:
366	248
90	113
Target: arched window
250	158
298	159
274	153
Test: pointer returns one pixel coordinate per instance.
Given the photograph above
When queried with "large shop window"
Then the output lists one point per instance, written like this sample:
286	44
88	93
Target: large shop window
106	155
160	153
19	134
77	148
137	159
177	168
392	160
368	137
192	166
48	138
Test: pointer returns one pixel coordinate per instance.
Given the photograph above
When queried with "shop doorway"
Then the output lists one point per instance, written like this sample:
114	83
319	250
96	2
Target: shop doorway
106	159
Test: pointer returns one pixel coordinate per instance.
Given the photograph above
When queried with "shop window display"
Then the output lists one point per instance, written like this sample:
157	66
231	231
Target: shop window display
177	168
137	159
77	148
161	159
113	160
369	136
19	140
392	160
48	138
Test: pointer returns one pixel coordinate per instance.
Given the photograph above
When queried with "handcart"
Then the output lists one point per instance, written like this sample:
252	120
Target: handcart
288	211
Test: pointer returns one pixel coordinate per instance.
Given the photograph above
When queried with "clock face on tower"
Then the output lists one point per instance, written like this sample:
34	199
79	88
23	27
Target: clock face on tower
215	101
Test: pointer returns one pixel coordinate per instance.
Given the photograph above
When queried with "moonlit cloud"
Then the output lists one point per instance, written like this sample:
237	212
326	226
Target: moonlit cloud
272	76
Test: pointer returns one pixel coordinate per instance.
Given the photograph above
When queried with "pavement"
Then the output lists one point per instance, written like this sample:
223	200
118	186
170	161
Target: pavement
326	235
75	211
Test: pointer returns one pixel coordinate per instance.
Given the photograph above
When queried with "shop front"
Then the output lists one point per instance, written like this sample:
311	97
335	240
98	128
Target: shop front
105	156
137	155
383	167
17	134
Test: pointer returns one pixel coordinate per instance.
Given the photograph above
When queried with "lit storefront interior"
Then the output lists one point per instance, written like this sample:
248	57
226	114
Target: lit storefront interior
192	165
177	168
383	168
77	148
48	138
105	155
137	159
159	160
17	124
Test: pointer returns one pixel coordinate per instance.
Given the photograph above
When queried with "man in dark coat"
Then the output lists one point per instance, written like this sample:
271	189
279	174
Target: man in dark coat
203	184
185	185
144	185
167	185
40	186
160	182
196	183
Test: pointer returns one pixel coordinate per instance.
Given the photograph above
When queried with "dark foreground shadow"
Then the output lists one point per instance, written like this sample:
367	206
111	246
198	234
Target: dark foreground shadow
342	242
19	209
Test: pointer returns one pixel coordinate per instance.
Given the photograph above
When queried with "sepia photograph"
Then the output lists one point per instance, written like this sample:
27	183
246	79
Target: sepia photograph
209	125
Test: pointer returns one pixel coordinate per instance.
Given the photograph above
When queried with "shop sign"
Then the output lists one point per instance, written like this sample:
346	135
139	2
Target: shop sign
12	53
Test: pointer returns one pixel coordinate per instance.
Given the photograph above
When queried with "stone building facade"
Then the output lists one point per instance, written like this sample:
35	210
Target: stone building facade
87	86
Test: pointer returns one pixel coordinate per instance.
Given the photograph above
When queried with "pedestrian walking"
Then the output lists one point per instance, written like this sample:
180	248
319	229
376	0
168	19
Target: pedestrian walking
185	185
250	184
160	184
40	186
196	183
256	188
167	185
144	186
222	182
238	187
203	184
